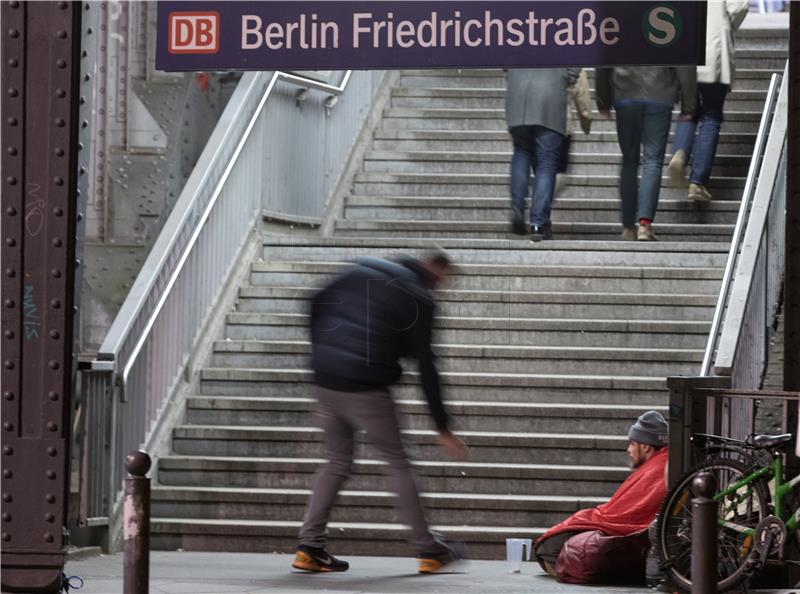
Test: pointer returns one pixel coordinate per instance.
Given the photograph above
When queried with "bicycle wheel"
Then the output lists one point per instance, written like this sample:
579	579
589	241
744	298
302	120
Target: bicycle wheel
744	507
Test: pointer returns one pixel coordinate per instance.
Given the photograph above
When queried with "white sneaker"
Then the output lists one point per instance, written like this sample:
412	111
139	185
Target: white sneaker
677	168
629	233
645	233
699	193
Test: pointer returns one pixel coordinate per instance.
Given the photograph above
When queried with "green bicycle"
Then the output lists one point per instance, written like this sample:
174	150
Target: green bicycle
757	510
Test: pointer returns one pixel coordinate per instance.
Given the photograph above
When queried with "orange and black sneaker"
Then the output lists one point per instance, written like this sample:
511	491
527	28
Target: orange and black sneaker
445	558
314	559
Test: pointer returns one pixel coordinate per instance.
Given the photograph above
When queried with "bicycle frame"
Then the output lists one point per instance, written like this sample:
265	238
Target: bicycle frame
782	489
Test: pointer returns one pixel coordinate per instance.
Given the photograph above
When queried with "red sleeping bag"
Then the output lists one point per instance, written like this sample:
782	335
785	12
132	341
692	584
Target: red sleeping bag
592	558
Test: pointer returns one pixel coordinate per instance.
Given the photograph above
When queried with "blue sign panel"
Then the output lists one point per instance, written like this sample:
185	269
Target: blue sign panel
329	35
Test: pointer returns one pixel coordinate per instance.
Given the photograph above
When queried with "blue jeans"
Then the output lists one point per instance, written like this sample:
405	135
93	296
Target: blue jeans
535	147
701	149
641	126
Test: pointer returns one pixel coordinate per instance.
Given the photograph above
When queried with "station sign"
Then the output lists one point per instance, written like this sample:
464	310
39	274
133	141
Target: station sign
331	35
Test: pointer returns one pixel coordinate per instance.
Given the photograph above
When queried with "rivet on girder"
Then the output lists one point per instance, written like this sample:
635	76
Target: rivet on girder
55	303
51	451
6	517
8	364
8	396
11	211
7	474
12	151
53	364
13	33
8	426
50	474
52	396
13	62
50	498
9	334
60	122
8	450
57	242
48	537
58	212
6	537
11	180
49	518
12	121
12	92
61	63
51	426
61	93
11	242
59	181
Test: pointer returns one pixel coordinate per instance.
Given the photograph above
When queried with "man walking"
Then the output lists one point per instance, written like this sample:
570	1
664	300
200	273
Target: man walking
643	98
361	324
536	116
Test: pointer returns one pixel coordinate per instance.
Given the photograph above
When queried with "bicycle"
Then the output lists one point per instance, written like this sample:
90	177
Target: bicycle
752	528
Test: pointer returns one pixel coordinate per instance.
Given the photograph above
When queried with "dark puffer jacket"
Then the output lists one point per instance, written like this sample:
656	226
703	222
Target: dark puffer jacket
369	317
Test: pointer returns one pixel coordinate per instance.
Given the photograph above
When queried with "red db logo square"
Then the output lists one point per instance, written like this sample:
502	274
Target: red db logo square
193	32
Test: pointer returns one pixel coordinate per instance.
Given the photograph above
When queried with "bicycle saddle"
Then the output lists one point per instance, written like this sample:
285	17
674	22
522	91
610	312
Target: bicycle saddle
771	441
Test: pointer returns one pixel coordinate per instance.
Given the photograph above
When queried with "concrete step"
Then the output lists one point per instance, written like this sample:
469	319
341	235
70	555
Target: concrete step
496	185
362	506
526	358
499	303
499	229
739	143
502	251
746	78
761	39
494	98
421	445
503	330
508	478
497	162
504	387
469	415
258	536
520	278
494	119
565	209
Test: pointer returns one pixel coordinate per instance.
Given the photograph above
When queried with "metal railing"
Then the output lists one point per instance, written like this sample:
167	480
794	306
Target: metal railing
751	287
130	383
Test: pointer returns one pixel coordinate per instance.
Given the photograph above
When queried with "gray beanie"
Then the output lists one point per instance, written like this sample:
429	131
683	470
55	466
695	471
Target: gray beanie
650	428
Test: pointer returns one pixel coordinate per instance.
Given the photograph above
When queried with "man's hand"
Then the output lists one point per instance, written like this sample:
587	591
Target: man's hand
454	446
606	113
685	117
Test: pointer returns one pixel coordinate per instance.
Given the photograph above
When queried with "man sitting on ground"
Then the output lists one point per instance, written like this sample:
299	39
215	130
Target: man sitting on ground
610	540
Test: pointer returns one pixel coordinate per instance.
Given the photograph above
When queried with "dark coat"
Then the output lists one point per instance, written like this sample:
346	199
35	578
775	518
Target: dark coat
369	317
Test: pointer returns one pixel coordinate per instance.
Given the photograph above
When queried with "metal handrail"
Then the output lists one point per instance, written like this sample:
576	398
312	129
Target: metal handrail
741	219
123	323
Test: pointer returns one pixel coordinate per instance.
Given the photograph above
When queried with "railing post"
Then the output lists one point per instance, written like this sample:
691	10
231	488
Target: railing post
136	532
704	535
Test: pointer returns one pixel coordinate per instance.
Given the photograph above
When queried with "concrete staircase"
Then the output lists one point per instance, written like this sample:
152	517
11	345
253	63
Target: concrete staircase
548	351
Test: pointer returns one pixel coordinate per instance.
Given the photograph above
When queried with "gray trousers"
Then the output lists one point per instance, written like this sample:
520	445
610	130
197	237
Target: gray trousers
340	415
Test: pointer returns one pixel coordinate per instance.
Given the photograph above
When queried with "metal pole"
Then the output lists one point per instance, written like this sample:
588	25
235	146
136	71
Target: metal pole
136	531
704	535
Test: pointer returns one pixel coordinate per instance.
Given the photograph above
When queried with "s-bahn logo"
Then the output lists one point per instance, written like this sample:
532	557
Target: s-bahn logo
661	25
193	32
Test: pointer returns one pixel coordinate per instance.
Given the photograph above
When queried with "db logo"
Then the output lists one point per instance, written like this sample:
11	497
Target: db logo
193	32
